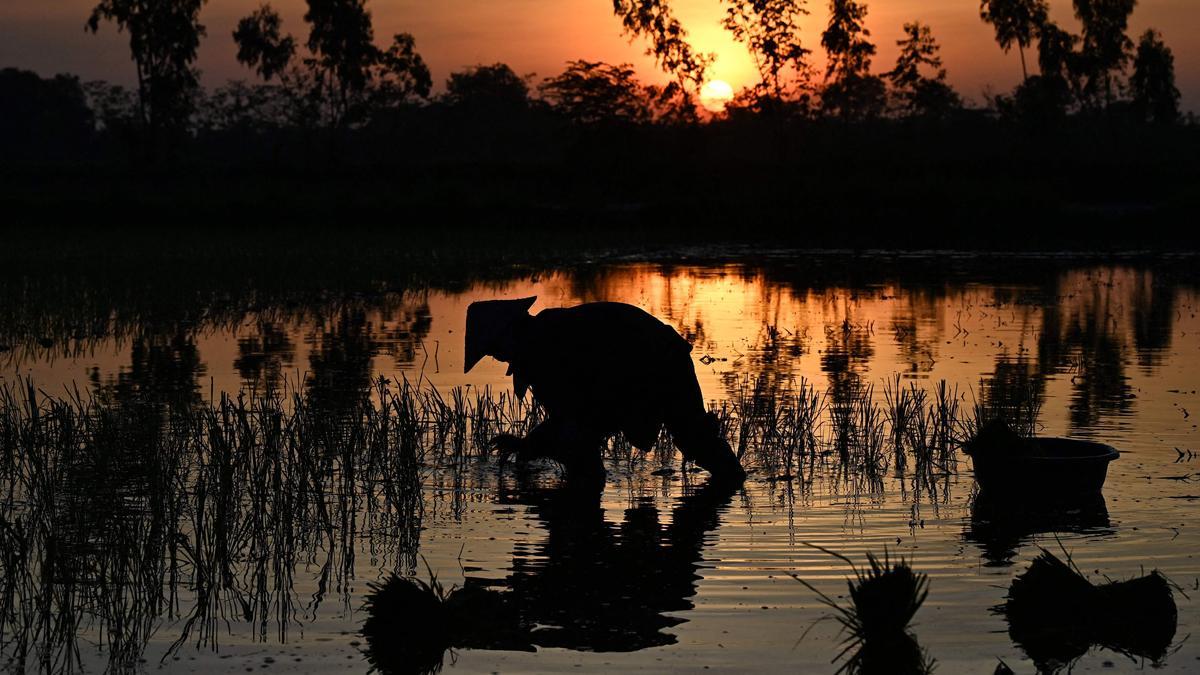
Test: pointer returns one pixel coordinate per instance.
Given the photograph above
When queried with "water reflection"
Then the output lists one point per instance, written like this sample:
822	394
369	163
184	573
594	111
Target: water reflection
1000	526
840	326
1056	614
589	585
339	364
1154	313
164	369
598	586
265	355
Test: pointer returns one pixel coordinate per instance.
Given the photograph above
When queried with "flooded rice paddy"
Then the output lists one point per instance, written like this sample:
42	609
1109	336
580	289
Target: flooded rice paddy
221	490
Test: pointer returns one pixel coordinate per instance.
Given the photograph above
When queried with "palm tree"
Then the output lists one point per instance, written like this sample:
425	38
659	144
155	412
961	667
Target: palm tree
1015	21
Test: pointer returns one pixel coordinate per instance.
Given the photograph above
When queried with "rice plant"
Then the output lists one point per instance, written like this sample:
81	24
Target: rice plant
1056	614
884	597
118	508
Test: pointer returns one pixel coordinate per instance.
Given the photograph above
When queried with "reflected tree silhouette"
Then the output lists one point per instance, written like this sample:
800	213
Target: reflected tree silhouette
1079	338
403	331
1013	393
339	375
263	356
164	370
1101	386
917	325
1154	309
847	354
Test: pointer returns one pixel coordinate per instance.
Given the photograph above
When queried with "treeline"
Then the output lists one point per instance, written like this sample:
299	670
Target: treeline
342	127
339	91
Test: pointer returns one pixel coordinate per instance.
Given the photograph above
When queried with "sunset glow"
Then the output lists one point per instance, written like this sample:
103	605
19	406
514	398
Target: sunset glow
715	95
46	37
596	336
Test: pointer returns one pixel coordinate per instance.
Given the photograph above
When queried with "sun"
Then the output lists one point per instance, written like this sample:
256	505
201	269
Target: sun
715	95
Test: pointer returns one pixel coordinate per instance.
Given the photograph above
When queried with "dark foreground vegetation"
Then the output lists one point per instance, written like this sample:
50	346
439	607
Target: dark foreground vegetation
1090	152
884	597
1056	614
129	504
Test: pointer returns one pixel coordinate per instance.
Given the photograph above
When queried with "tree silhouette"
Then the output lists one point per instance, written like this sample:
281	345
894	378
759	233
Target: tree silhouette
1043	100
494	89
1015	21
653	19
1153	83
261	47
851	90
42	117
252	109
1058	62
770	30
400	73
345	76
341	41
164	37
588	92
845	40
1056	52
1105	46
114	107
921	94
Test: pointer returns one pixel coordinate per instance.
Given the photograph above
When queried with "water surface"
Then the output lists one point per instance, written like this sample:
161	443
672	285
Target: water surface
700	581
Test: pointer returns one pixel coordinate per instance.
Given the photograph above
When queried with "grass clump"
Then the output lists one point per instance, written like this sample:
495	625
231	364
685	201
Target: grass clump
884	598
411	624
1056	614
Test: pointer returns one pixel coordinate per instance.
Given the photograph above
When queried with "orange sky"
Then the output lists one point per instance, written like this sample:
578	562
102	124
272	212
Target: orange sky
537	36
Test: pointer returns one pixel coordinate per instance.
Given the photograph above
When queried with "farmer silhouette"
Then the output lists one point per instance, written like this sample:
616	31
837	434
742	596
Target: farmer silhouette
597	369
